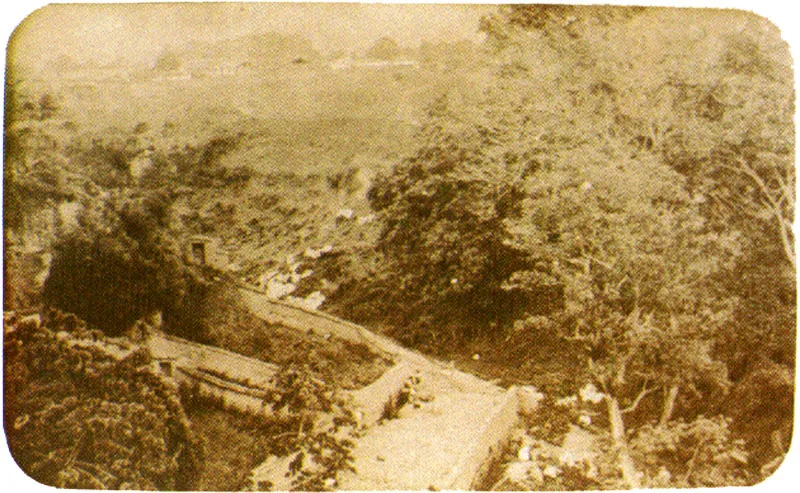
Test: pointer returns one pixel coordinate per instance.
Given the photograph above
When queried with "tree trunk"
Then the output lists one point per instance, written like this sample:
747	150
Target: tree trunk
626	465
669	406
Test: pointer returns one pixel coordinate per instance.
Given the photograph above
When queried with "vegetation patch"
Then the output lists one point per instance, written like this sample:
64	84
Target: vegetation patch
309	423
78	417
247	441
350	365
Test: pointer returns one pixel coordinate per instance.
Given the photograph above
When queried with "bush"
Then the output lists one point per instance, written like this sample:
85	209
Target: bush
325	450
105	159
310	423
48	106
77	417
761	407
119	267
550	421
699	453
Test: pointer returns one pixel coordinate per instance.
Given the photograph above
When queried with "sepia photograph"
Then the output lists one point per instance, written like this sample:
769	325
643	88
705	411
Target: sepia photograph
394	246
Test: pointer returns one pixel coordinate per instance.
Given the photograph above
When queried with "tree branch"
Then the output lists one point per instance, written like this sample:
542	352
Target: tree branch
773	204
287	434
92	478
639	398
97	469
690	464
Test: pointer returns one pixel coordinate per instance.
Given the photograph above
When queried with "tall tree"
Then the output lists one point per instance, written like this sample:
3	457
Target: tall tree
714	106
119	266
635	257
443	211
619	165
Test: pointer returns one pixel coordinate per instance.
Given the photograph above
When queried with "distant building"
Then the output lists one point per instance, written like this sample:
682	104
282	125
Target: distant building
204	250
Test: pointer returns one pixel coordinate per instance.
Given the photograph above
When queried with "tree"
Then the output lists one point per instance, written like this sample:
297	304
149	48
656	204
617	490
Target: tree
635	258
618	165
714	111
168	61
47	106
106	160
118	266
320	430
443	234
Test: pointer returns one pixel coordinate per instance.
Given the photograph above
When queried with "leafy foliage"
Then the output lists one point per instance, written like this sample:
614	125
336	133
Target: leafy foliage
77	417
641	204
700	453
642	187
227	463
197	165
550	421
320	438
118	267
106	160
634	257
444	238
761	406
310	423
122	264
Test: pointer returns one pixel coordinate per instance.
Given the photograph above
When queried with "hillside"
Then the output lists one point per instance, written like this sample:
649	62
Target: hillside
556	207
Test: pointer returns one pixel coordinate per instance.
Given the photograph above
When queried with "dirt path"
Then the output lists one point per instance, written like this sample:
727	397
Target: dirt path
425	446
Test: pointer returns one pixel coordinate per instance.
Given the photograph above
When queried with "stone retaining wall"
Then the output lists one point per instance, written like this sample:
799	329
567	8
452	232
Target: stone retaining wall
297	317
475	462
369	401
233	395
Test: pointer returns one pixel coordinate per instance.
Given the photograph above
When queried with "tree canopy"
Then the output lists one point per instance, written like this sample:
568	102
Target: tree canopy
118	266
632	189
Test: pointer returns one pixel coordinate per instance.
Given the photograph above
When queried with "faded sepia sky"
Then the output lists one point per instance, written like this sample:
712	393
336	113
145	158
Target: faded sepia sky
105	33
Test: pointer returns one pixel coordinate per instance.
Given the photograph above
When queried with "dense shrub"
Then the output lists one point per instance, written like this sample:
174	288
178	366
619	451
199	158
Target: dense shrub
247	439
117	268
310	423
321	439
699	453
106	160
77	417
121	266
444	238
550	422
203	308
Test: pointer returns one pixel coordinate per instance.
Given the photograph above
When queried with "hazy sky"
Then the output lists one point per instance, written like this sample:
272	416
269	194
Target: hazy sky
107	32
